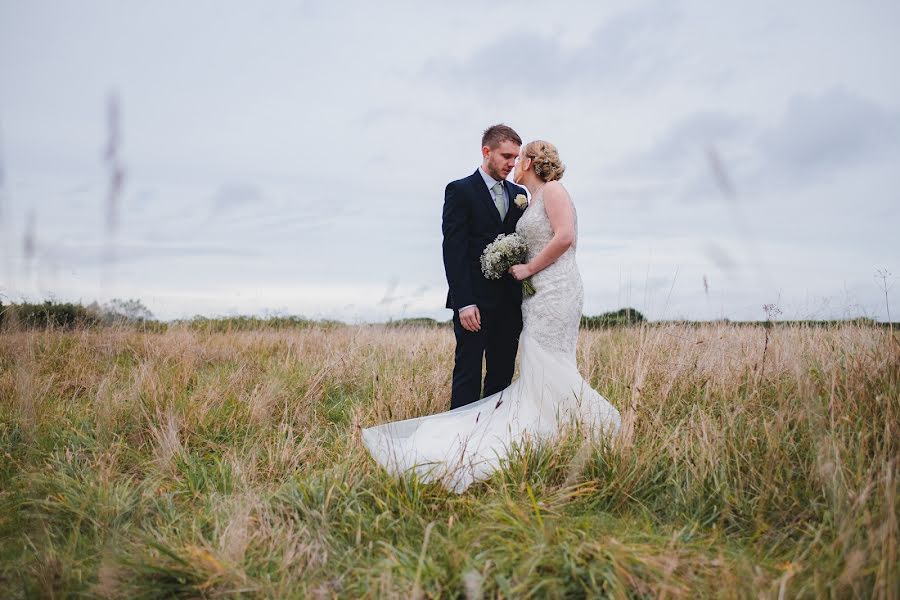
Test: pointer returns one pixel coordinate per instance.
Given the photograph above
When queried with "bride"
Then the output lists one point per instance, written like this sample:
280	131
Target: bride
469	443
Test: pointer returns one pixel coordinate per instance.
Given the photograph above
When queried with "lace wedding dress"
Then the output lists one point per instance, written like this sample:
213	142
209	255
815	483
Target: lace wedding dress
469	443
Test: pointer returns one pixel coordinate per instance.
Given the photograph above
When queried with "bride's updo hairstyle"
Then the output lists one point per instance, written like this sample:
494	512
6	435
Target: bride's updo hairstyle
545	160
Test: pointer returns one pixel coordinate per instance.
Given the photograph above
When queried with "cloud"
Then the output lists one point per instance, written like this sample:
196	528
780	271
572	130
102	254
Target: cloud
819	137
823	135
629	49
252	167
94	254
234	195
685	143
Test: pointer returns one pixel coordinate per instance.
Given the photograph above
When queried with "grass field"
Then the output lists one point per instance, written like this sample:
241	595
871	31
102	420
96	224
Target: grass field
754	462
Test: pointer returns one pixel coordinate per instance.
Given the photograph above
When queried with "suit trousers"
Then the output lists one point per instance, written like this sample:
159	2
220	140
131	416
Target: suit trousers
496	343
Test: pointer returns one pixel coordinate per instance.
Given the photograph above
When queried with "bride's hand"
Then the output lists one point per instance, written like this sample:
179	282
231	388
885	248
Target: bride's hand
520	272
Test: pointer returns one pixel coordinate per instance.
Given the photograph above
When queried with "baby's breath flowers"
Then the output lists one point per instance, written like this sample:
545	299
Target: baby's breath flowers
505	251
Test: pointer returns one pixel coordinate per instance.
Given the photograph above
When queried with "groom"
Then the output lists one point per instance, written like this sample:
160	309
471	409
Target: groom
487	314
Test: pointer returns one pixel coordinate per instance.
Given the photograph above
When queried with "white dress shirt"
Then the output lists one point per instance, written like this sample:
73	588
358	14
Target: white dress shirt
490	182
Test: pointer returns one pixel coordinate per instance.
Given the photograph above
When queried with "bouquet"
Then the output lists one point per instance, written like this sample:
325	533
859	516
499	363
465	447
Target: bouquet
505	251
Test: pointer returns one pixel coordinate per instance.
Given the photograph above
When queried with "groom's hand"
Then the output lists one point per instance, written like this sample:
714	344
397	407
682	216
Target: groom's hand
470	318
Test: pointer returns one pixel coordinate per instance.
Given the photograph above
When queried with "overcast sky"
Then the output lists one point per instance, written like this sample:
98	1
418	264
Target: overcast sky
291	157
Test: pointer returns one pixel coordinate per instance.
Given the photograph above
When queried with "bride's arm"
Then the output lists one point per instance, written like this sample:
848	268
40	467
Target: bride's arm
562	220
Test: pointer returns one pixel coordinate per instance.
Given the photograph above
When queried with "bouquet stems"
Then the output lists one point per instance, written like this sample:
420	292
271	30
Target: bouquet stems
528	287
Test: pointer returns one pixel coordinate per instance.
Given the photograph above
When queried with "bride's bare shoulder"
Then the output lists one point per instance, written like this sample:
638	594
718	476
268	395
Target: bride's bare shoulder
555	192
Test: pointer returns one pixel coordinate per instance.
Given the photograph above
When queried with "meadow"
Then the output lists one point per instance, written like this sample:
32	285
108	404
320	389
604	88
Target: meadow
754	462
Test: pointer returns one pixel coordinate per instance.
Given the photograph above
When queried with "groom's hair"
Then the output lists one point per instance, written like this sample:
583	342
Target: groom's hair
497	134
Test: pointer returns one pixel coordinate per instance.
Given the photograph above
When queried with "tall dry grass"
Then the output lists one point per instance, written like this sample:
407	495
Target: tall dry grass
202	464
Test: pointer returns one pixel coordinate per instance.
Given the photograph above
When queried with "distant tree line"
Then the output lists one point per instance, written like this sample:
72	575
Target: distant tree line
618	318
249	323
133	313
69	315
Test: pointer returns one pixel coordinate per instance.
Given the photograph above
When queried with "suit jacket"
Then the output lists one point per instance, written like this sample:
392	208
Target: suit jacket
471	222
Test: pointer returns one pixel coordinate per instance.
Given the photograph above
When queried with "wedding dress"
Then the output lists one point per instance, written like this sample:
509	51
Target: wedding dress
469	443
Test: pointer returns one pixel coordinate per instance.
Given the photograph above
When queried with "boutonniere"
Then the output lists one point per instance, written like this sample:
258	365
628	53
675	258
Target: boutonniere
521	201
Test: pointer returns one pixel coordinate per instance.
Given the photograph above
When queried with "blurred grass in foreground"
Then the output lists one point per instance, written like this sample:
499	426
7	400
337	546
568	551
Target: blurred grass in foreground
192	462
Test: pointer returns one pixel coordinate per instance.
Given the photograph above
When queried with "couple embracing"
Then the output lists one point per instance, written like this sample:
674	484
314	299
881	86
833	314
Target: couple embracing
492	320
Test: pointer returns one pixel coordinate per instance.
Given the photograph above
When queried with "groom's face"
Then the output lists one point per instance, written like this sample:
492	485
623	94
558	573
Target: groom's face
500	161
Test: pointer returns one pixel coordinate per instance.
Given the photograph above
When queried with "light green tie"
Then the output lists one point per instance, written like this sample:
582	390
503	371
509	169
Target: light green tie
498	200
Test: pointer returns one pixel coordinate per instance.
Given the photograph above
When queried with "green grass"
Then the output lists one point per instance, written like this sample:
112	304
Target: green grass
185	463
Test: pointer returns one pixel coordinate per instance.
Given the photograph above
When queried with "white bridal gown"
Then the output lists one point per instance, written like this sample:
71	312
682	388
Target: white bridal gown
468	444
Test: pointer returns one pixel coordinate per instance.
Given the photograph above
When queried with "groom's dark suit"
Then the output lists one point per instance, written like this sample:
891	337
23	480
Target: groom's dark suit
471	221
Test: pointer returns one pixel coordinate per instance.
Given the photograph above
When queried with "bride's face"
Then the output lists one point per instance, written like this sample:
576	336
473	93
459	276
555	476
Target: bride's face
520	167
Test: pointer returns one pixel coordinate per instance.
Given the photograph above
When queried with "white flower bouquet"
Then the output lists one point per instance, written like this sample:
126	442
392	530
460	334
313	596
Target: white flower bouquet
505	251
